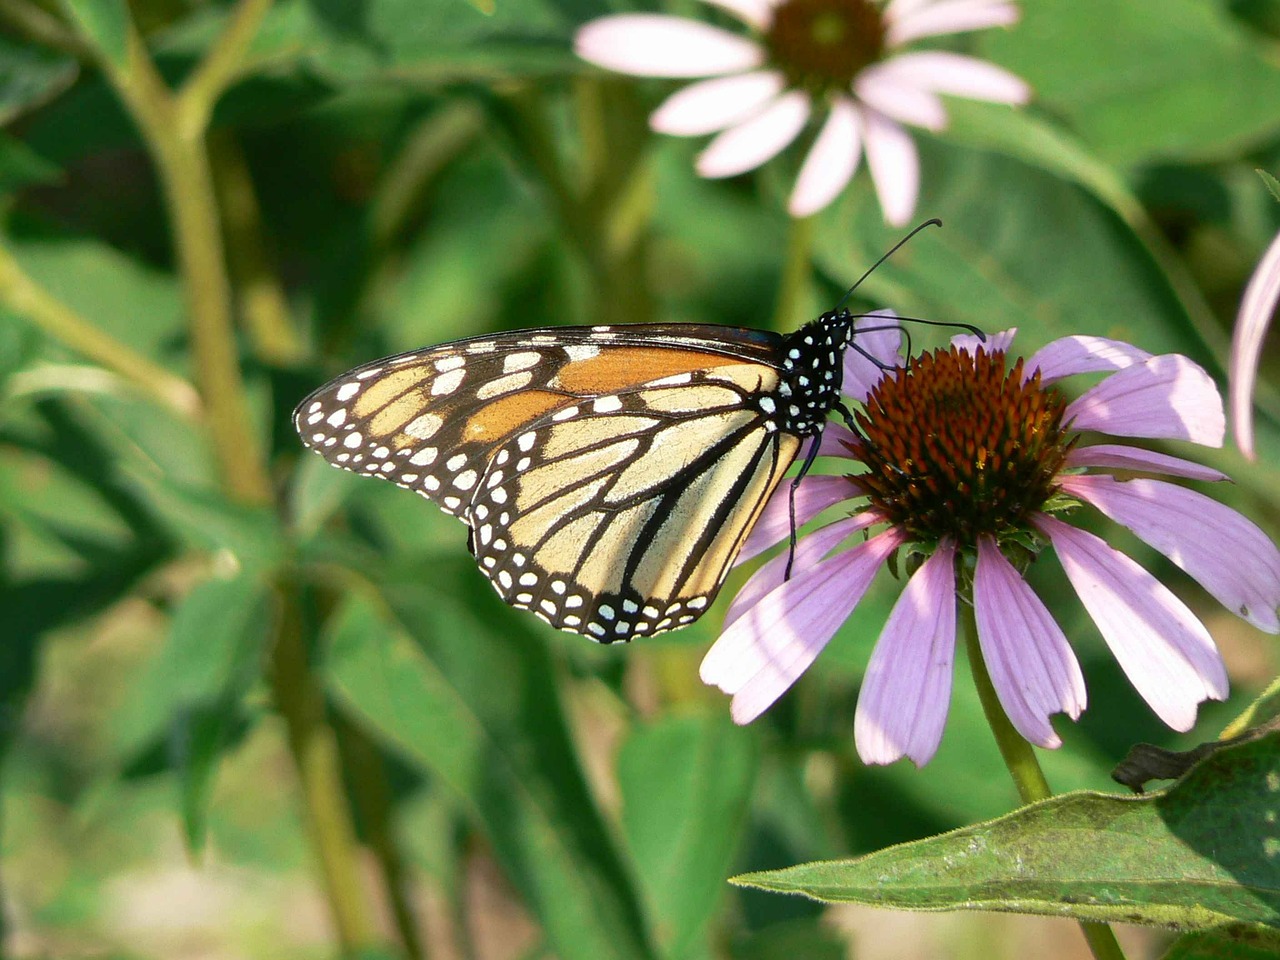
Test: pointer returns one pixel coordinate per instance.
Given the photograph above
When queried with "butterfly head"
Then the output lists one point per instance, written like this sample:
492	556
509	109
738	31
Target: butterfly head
813	372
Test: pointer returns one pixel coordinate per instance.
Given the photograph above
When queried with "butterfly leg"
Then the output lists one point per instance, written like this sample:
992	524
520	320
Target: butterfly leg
791	498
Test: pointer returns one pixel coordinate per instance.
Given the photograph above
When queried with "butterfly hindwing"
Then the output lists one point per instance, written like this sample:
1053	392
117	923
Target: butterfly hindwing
621	516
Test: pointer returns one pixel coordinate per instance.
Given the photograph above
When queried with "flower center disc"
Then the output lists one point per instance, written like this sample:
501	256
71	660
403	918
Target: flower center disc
821	45
956	447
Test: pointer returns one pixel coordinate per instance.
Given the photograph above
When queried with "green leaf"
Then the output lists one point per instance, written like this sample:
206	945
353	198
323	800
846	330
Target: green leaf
1232	942
686	782
190	698
1177	80
475	704
1266	707
1020	248
30	75
105	24
20	166
1201	854
1272	183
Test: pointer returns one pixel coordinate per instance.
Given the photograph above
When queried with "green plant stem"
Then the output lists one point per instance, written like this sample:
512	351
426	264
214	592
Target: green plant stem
20	293
795	274
264	309
1020	759
174	128
41	27
315	752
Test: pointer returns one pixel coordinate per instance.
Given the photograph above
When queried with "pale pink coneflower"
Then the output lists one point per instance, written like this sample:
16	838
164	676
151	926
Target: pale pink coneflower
970	466
808	57
1257	307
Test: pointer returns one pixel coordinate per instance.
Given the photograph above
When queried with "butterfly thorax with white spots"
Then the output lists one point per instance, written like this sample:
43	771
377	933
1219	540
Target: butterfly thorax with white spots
812	374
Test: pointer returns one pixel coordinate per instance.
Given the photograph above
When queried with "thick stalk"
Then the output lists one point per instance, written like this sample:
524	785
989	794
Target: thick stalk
1020	759
795	274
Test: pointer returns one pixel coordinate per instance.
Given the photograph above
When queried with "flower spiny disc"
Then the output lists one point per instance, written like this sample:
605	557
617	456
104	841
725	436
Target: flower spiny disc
821	45
956	447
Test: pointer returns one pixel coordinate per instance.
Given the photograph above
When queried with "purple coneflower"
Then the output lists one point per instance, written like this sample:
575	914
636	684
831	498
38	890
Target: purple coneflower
972	465
1256	310
840	57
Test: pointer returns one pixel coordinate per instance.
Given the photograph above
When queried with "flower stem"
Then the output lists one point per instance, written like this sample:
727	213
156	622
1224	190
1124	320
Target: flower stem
795	274
1020	759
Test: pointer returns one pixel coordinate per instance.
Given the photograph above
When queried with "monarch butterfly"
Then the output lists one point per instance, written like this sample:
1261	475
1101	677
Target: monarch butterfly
608	475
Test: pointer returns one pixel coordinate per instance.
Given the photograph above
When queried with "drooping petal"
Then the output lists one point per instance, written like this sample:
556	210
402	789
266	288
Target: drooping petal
1257	307
894	165
1116	456
1168	397
1080	354
754	13
1223	550
653	45
835	438
815	493
906	690
1166	652
896	97
998	342
1032	668
811	548
956	75
757	140
716	104
876	346
911	21
761	654
831	163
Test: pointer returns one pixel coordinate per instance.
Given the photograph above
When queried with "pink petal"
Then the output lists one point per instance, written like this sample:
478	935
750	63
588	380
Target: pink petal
1162	398
831	162
894	165
1223	550
1071	355
1118	457
815	494
1032	668
715	104
1166	653
912	21
754	13
760	655
1257	307
811	548
652	45
757	140
880	88
879	340
956	75
998	342
906	690
834	437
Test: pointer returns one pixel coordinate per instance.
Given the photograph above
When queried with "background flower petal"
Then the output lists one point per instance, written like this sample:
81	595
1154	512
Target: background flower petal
1257	307
1119	457
831	162
906	690
812	547
757	140
653	45
1169	397
956	75
815	493
761	655
1032	667
909	21
896	97
1080	354
894	165
1166	652
715	104
1223	550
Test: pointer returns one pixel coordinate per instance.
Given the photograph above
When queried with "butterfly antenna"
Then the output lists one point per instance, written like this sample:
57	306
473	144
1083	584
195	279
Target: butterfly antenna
935	222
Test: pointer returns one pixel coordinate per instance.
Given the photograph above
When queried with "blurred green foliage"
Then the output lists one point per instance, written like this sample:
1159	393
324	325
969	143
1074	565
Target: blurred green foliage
284	716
